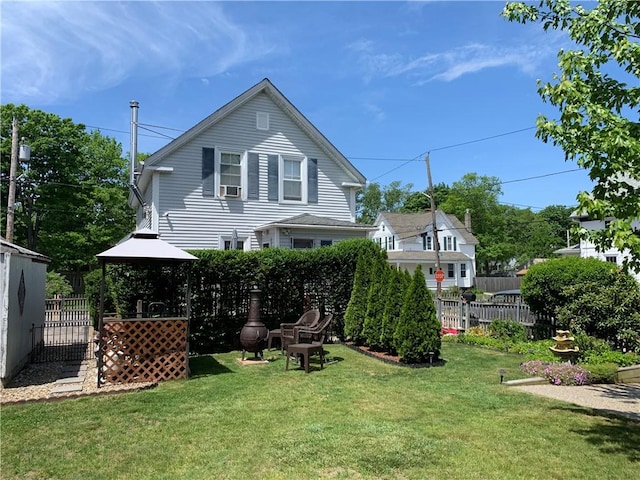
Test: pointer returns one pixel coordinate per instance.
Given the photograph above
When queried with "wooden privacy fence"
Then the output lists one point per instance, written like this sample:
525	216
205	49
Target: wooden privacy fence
143	350
456	315
66	309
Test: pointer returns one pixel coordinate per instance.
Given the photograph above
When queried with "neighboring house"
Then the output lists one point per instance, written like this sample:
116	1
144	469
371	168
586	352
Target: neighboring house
588	249
254	174
408	240
22	303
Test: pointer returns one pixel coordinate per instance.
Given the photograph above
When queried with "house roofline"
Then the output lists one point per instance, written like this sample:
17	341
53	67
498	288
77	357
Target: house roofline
277	97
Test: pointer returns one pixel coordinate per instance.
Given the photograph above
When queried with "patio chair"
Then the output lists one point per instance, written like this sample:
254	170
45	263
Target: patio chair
315	344
285	332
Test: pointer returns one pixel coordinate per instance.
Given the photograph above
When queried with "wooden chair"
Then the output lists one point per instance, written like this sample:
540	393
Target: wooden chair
285	332
316	336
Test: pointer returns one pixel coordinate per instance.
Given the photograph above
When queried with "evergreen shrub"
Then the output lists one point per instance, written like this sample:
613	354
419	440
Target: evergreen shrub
418	330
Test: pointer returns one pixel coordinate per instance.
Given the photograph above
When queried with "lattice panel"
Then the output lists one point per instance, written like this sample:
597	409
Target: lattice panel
143	350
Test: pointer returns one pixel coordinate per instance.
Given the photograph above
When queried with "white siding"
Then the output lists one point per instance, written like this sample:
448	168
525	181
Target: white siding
197	222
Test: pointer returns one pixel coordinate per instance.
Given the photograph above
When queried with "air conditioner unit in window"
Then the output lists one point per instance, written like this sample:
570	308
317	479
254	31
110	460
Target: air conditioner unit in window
229	191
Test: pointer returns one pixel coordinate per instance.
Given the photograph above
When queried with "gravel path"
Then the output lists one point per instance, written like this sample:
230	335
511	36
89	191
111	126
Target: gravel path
618	399
37	382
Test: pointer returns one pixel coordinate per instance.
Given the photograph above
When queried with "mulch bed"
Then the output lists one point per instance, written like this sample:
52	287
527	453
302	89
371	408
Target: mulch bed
391	359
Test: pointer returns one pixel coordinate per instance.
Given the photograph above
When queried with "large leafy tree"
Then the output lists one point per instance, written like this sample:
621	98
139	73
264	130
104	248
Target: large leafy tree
372	200
418	202
479	195
598	96
71	197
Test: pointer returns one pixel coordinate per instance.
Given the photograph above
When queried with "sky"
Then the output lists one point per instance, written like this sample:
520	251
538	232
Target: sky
385	82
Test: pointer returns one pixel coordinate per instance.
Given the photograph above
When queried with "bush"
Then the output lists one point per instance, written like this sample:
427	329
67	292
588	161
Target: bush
356	312
507	330
602	372
606	309
372	327
220	285
397	287
56	284
543	287
418	331
557	373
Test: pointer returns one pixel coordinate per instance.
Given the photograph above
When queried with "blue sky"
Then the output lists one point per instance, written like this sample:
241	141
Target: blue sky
385	82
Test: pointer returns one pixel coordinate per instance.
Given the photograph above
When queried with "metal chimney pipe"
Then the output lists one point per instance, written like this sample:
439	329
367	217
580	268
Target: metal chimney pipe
134	140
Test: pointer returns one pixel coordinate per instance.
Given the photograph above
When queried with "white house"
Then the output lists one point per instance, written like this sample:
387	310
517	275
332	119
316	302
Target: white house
254	174
408	240
588	249
22	303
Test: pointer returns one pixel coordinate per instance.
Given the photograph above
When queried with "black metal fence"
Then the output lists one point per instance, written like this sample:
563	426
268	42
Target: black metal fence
62	341
67	333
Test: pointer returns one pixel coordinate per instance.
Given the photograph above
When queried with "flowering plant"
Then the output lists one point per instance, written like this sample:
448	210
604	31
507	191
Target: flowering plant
557	373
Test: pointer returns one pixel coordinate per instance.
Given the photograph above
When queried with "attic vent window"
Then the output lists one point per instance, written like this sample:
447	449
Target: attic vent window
262	121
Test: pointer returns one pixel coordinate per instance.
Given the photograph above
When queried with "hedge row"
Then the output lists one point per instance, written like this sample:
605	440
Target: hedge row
221	281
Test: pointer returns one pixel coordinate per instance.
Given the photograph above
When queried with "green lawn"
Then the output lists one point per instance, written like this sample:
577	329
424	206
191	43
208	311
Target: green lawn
358	418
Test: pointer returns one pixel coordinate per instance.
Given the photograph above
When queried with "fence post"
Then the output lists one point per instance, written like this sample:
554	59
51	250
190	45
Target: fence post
467	316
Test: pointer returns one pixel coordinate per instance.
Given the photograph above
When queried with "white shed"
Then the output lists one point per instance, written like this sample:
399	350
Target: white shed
22	303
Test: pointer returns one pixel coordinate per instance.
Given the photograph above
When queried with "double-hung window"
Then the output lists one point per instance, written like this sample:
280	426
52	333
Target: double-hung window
292	178
230	169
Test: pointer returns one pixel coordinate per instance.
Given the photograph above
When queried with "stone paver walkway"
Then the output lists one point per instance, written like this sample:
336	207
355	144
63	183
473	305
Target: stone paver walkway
71	379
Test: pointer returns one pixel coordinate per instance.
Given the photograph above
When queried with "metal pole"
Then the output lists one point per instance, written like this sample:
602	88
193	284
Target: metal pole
436	243
11	203
134	140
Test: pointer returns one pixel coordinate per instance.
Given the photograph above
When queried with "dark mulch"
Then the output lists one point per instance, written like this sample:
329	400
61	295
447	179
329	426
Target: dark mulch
392	359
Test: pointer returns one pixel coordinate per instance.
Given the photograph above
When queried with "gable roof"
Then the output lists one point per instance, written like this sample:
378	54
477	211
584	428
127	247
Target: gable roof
307	220
406	224
265	86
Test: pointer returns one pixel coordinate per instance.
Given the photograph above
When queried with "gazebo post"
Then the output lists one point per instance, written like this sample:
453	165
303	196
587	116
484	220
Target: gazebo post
100	317
188	313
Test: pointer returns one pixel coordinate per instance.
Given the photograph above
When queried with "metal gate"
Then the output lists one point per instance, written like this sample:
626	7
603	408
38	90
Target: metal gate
62	341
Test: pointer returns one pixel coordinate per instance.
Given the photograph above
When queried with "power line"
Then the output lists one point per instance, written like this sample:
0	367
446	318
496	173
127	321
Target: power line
122	131
541	176
419	157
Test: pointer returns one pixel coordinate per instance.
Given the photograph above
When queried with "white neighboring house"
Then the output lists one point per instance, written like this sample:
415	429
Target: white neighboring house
588	249
408	240
254	174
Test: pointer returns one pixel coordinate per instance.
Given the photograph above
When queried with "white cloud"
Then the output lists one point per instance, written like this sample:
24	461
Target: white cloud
57	50
454	63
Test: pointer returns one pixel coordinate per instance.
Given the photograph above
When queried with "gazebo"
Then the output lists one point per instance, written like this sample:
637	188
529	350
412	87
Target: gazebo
143	346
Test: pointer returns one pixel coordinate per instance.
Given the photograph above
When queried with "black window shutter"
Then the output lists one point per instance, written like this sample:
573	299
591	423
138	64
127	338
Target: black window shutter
272	174
208	166
312	179
253	168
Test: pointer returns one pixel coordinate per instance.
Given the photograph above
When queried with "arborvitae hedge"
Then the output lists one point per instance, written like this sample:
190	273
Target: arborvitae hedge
397	287
418	330
358	301
221	282
372	328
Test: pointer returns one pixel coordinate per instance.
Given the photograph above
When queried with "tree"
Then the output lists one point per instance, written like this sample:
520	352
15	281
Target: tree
479	195
372	200
71	199
418	331
397	287
418	202
372	327
598	96
357	308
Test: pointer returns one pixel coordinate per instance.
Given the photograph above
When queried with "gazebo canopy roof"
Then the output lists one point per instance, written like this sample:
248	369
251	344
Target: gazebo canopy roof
145	246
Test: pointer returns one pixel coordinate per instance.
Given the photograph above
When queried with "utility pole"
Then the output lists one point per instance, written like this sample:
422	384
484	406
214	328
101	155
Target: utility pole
12	180
436	243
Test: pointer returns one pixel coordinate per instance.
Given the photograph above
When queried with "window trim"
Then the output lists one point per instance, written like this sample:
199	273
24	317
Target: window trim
463	270
451	270
219	151
227	238
304	193
302	239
